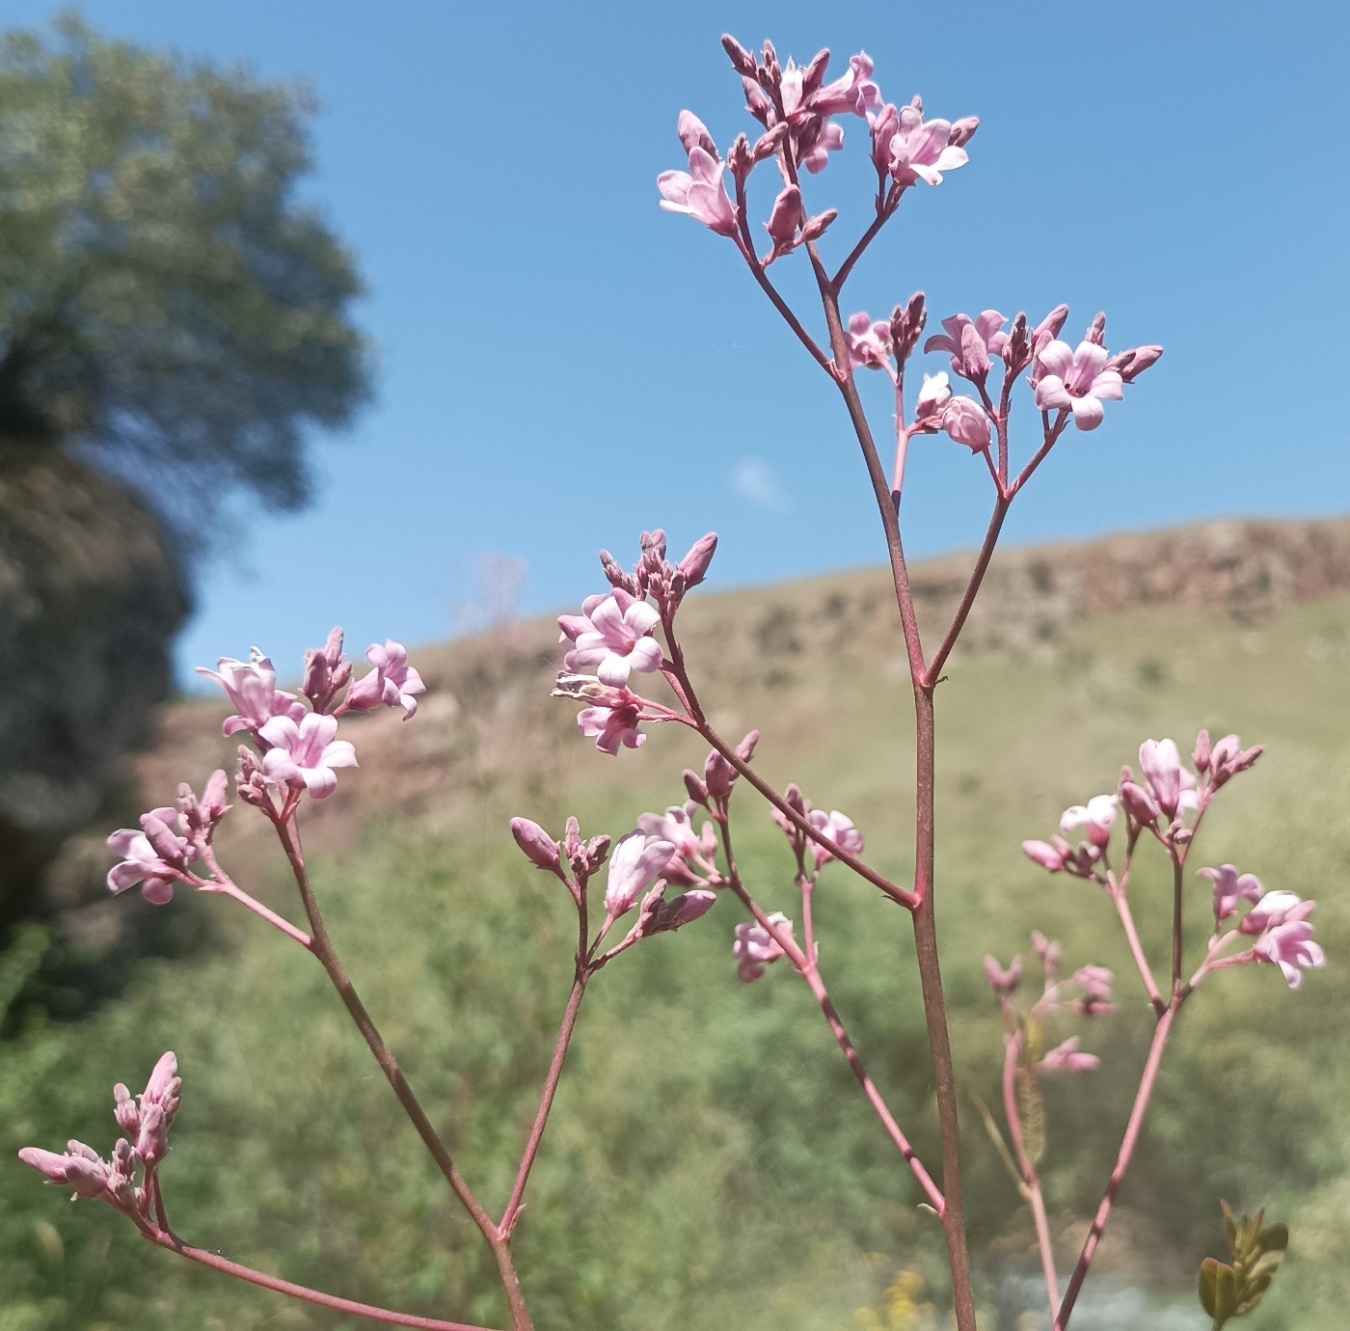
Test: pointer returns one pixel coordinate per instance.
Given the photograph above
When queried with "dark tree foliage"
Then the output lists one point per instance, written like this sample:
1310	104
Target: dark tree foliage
167	308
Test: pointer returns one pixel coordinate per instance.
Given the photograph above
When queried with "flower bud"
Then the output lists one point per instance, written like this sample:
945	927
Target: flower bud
745	750
695	564
698	791
166	845
907	324
963	131
539	848
125	1112
817	226
1200	755
1003	981
1138	803
1096	332
719	776
741	59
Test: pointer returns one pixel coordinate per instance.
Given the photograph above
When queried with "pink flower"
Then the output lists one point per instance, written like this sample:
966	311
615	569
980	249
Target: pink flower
1290	946
971	343
965	423
934	395
306	754
158	1106
393	682
699	192
1077	381
1228	758
1171	785
1232	888
869	344
154	857
1097	815
1275	909
1003	981
1095	982
612	726
808	106
636	862
694	851
252	688
1066	1058
612	635
326	673
838	829
755	947
917	149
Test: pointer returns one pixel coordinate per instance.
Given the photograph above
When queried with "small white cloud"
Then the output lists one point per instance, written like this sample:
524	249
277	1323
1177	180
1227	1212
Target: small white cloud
755	480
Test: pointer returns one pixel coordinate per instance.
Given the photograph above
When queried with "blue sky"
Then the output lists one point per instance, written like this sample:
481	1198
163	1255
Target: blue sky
562	364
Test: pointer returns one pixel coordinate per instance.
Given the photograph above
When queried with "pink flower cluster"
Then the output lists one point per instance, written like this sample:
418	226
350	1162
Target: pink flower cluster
755	947
613	636
797	109
836	828
299	747
1278	921
146	1119
156	857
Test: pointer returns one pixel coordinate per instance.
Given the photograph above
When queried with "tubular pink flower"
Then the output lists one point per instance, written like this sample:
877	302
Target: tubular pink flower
612	635
1003	981
918	149
971	350
156	869
612	726
1095	982
538	846
1170	784
694	851
305	754
869	344
837	828
1290	946
1077	381
252	688
1275	909
635	863
1231	889
393	682
965	423
755	948
808	105
1066	1058
699	192
1097	815
660	916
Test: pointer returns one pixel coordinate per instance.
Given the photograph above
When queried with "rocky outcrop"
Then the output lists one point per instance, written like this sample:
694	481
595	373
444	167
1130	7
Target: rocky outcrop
90	598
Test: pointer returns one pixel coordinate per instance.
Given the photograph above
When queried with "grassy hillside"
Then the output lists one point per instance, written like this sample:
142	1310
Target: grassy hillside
710	1164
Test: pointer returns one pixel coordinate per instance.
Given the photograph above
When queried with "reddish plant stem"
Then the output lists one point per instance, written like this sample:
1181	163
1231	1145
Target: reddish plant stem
1001	505
1030	1178
289	832
1127	1145
516	1204
805	965
885	211
1178	924
1118	895
166	1240
700	722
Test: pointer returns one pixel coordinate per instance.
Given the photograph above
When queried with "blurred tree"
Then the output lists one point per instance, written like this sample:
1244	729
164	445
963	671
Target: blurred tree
168	310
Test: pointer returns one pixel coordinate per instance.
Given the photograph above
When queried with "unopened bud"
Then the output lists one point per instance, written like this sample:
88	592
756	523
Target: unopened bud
693	783
694	566
654	544
164	843
617	577
718	776
1200	757
597	848
1052	325
963	131
124	1110
907	325
741	59
745	750
539	848
1096	332
793	798
1138	803
1140	359
817	226
814	73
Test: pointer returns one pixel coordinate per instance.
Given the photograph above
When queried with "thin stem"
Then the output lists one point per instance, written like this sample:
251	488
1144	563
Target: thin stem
885	211
1127	1145
1001	505
1178	930
1052	433
704	728
289	832
806	967
1118	895
513	1207
331	1301
1034	1195
228	888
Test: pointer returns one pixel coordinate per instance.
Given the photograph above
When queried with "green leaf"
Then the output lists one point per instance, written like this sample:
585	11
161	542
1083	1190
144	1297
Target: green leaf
1031	1110
1000	1145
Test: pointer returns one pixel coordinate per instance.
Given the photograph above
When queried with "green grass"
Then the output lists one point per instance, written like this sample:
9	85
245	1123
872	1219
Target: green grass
710	1164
